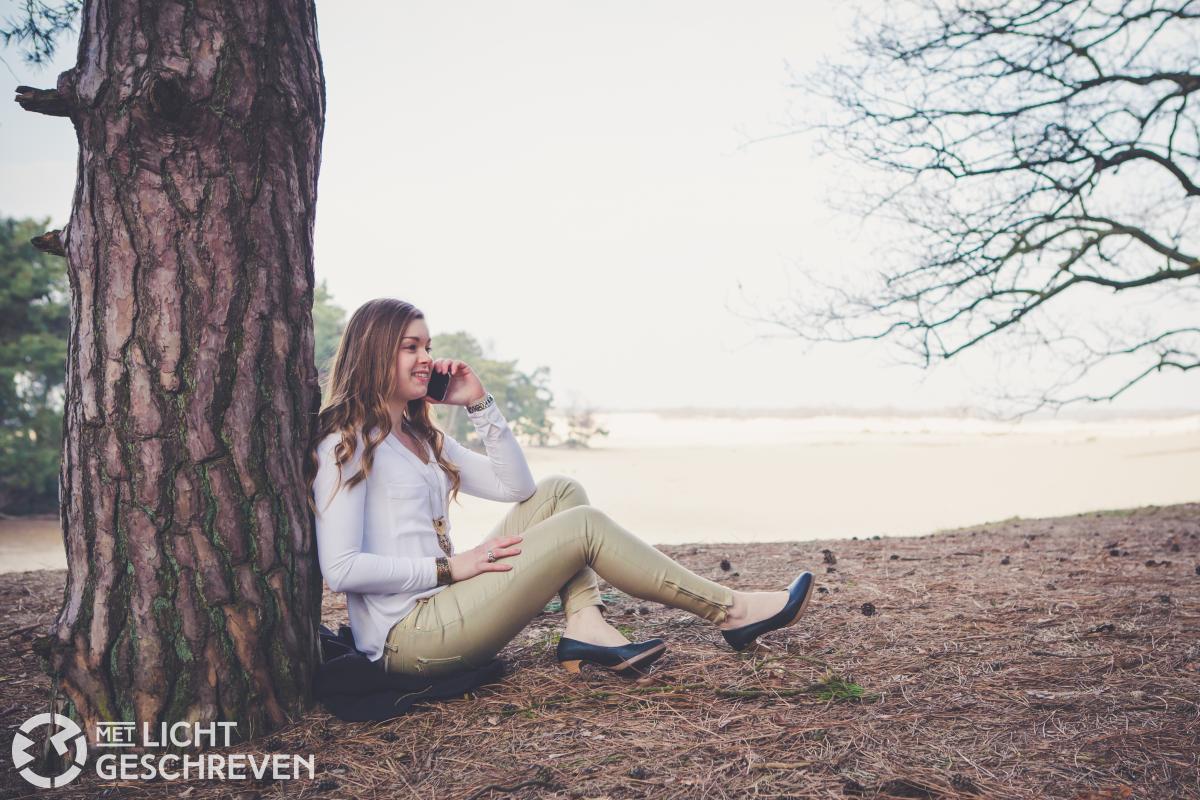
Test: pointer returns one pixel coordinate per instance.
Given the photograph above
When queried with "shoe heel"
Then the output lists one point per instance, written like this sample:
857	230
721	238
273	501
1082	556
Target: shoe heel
571	666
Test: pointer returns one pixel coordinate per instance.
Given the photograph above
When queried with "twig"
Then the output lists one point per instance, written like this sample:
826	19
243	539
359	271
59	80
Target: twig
496	787
19	631
782	765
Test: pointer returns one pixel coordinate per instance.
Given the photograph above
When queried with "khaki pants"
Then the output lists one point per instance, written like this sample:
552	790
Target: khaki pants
469	622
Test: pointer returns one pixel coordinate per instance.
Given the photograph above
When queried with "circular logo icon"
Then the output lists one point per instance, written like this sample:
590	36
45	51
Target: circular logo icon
61	740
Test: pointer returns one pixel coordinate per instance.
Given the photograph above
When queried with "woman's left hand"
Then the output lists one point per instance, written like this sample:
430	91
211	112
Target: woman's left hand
465	386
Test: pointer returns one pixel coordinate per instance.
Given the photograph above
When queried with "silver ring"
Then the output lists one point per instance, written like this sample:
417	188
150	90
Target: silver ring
491	557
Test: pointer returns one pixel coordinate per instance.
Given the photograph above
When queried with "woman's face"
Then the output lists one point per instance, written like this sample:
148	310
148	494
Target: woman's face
414	362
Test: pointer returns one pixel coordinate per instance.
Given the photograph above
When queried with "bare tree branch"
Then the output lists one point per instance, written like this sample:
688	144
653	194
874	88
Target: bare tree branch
1042	148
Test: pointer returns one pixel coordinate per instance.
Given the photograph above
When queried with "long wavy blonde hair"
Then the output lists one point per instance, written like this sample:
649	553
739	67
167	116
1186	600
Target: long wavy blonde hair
360	382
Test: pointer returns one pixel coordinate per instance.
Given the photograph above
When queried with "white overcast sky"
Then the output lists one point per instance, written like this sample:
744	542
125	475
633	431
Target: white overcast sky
574	183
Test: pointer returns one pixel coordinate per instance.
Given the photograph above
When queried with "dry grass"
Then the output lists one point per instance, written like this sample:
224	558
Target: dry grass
1021	659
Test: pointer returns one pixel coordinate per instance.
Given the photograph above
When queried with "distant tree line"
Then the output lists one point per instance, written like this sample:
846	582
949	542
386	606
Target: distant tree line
34	324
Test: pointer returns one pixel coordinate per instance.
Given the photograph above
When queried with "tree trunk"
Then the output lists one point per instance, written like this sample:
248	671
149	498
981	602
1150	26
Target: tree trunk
193	591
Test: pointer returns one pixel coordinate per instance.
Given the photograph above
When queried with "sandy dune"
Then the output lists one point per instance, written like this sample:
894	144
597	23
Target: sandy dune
705	479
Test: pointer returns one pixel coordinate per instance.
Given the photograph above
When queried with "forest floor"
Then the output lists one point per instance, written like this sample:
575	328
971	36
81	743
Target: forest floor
1029	658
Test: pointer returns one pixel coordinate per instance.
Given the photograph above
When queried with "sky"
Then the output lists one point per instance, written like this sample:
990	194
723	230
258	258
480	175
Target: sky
599	188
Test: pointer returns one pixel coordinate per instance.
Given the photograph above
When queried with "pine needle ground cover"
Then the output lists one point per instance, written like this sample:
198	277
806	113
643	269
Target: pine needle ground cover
1042	658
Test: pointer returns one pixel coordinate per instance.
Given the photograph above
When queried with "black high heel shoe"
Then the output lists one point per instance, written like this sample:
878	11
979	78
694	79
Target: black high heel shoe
626	659
799	592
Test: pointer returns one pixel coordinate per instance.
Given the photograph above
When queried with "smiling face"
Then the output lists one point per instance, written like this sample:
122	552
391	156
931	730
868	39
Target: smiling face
414	362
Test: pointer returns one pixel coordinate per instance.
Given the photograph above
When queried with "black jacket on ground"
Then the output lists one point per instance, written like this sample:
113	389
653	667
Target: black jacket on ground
356	689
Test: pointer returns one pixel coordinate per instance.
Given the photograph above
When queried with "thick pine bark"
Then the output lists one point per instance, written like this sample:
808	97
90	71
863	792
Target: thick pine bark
193	591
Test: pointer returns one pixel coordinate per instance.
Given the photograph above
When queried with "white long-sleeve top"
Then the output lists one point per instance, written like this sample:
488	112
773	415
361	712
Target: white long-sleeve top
376	541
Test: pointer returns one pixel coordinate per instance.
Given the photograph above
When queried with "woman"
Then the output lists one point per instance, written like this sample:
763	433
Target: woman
382	476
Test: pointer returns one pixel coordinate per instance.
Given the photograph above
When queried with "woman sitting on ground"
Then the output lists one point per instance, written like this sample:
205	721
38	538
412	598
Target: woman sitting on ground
382	475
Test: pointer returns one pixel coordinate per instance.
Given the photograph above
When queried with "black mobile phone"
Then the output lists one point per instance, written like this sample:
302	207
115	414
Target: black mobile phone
439	382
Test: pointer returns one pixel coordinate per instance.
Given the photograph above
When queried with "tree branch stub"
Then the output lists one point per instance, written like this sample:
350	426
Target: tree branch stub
43	101
50	242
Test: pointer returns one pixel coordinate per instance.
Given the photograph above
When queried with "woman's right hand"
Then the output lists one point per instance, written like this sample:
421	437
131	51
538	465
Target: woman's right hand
470	563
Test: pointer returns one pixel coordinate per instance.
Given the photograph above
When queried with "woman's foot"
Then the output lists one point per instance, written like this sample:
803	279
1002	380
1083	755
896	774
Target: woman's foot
588	625
752	615
749	607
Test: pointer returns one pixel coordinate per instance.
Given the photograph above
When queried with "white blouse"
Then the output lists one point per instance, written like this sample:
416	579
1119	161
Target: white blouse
376	541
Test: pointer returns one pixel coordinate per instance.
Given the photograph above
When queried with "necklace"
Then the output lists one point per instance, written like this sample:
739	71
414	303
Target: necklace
437	498
412	447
